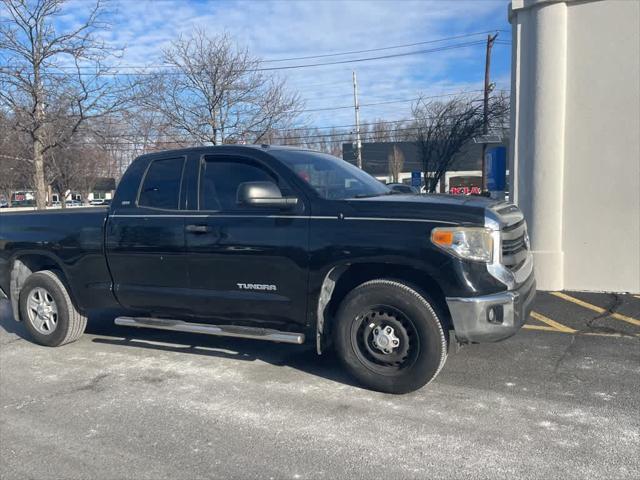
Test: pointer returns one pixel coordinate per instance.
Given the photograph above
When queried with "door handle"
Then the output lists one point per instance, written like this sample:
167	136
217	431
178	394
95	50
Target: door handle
198	228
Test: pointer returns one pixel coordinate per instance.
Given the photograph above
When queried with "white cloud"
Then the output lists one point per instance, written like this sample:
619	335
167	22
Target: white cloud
281	29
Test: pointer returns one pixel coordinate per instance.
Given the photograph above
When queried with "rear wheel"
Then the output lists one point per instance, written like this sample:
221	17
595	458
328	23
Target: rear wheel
389	337
48	312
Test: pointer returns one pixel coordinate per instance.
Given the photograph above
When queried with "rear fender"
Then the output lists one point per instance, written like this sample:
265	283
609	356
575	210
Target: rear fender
20	271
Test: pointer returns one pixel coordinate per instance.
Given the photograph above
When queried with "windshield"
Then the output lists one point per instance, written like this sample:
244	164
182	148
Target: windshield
331	177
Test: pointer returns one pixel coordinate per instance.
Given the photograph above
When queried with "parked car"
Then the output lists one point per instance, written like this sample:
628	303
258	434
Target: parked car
73	203
4	204
23	203
278	244
403	188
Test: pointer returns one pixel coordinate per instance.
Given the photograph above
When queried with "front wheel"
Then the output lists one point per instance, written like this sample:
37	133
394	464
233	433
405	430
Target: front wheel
389	337
48	312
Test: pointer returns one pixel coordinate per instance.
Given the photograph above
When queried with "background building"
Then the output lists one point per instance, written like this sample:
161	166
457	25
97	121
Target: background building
575	93
465	171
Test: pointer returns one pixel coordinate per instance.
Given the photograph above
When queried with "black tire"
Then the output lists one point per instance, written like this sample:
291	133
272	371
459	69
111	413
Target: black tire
69	323
421	342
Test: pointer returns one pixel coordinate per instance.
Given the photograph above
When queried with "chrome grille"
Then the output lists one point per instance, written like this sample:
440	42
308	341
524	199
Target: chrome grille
514	245
512	262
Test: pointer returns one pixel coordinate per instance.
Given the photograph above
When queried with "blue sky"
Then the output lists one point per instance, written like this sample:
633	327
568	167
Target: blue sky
288	28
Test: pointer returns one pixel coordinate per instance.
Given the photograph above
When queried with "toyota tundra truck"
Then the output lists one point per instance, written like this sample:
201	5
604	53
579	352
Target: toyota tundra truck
278	244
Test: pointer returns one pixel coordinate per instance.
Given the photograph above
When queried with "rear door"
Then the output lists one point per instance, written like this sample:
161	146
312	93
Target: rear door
247	264
145	243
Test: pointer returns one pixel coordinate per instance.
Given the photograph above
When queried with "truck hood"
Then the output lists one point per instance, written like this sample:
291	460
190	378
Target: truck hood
464	210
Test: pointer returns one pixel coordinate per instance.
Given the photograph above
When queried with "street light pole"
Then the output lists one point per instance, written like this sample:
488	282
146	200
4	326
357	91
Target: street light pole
485	112
356	105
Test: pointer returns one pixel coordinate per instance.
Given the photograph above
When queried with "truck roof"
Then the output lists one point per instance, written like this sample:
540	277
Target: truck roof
212	148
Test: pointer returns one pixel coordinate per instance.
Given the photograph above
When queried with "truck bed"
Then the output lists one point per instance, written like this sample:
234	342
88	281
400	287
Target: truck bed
70	240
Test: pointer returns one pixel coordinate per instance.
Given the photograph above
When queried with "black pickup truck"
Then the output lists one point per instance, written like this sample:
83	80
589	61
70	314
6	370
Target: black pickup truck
278	244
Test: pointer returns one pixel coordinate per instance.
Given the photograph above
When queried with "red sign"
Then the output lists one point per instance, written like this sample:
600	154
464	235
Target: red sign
469	185
464	191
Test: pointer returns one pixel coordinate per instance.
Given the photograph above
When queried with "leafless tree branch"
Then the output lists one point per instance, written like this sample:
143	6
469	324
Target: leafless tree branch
444	129
214	93
36	89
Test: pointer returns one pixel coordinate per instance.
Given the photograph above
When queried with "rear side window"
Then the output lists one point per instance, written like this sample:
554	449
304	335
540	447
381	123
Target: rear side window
161	187
220	179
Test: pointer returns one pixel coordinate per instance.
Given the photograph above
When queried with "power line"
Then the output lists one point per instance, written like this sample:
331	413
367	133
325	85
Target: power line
288	67
180	141
324	55
347	126
385	122
336	135
380	57
387	102
272	139
323	109
369	50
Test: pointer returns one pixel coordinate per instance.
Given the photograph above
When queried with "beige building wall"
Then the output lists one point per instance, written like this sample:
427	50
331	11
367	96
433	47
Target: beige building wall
575	155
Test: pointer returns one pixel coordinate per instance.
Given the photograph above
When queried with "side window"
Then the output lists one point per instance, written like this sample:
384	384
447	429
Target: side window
220	179
161	187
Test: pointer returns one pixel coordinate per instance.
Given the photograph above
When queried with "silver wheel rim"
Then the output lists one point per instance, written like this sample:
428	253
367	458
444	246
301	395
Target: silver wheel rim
42	311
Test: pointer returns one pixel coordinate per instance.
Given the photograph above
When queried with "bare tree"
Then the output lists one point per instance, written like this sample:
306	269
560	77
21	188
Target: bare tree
13	177
444	129
403	131
396	162
13	160
365	132
133	132
63	170
76	165
213	92
48	73
381	131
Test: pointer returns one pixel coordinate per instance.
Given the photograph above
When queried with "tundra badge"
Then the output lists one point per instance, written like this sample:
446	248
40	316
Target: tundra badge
256	286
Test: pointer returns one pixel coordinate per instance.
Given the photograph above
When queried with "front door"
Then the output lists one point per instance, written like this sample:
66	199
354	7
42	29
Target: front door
247	264
145	243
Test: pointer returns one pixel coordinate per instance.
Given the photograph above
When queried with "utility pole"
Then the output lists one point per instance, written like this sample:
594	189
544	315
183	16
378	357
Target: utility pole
485	114
356	105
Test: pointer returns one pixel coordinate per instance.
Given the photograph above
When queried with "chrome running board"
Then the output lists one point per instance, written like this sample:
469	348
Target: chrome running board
218	330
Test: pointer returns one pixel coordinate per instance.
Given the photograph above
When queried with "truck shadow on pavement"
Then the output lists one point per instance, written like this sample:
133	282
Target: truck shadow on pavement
299	357
9	325
103	331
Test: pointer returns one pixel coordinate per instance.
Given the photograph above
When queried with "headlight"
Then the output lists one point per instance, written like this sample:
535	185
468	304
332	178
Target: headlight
470	243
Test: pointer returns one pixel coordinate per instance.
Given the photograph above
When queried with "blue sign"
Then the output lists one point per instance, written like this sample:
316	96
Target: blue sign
416	179
496	165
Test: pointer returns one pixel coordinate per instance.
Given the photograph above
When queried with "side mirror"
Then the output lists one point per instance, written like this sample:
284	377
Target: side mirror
263	194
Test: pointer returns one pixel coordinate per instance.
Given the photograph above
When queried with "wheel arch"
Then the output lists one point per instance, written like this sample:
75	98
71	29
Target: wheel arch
340	280
23	265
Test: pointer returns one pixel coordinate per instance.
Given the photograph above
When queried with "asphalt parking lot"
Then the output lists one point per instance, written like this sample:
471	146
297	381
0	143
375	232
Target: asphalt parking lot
561	399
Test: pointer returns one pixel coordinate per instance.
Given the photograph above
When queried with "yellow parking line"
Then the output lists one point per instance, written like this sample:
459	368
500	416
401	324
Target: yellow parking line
552	323
540	327
595	308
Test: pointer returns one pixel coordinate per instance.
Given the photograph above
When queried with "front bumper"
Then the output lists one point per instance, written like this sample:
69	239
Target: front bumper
470	315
